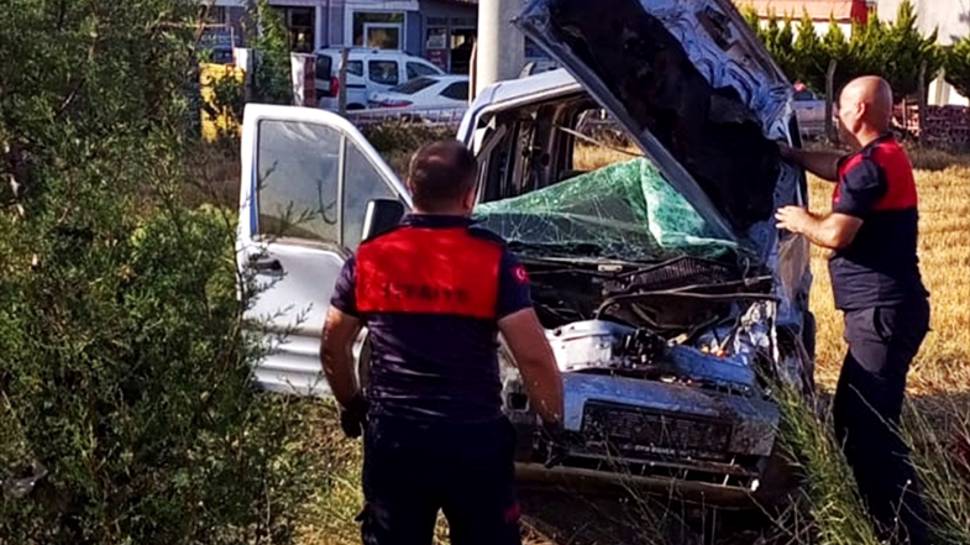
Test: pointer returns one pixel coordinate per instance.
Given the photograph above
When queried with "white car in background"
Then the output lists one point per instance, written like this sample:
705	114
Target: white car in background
368	71
424	93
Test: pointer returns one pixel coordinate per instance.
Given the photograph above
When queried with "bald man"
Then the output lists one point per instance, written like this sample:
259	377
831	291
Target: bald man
872	233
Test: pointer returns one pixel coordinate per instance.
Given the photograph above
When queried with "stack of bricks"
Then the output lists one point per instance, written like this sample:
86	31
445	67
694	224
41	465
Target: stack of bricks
944	126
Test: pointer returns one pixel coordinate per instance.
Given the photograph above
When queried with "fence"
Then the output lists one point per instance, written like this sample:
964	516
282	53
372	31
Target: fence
942	126
433	117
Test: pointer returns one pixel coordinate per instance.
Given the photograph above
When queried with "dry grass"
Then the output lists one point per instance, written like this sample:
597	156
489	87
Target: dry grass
943	364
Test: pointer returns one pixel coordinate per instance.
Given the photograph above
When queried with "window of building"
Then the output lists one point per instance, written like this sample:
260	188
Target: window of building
462	42
300	25
216	15
379	30
383	72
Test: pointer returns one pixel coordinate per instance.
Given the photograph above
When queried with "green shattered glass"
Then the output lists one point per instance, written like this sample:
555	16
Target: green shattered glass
623	211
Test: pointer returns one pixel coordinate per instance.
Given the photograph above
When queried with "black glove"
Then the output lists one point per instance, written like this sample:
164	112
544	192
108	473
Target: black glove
553	436
353	417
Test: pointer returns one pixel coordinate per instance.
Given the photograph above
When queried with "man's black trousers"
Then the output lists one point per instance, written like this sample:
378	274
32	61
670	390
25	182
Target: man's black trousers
412	470
868	402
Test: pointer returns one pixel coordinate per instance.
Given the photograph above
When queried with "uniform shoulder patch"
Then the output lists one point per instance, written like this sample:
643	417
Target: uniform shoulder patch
520	274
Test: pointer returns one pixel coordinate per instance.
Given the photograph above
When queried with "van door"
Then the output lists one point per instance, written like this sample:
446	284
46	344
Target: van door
307	175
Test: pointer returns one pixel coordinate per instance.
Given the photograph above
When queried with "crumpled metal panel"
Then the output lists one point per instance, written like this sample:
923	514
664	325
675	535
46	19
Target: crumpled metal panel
601	345
754	419
688	80
705	101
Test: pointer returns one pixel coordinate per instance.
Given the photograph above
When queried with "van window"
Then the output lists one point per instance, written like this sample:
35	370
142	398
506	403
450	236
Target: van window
362	184
383	72
355	67
297	167
417	69
324	67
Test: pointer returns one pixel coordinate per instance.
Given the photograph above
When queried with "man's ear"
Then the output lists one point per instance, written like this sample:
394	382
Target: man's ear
469	201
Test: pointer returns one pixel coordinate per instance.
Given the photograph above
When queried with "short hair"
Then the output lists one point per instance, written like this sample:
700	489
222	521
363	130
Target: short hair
441	173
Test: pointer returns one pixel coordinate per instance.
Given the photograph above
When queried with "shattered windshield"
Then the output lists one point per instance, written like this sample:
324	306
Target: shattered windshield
626	211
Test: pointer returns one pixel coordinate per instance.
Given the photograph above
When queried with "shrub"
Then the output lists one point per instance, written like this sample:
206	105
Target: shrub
957	65
810	62
905	51
126	410
271	73
896	51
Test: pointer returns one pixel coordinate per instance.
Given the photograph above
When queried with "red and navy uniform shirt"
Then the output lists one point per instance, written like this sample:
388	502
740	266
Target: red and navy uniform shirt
880	267
431	293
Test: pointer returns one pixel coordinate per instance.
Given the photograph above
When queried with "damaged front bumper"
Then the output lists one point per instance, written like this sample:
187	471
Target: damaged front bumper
702	444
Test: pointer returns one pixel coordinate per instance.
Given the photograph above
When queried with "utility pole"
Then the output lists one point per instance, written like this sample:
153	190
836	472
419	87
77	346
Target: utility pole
500	50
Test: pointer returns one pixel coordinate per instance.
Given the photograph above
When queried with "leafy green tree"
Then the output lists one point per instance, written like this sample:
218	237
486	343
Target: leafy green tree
126	409
905	51
810	64
271	73
958	66
782	48
777	38
834	43
751	17
867	51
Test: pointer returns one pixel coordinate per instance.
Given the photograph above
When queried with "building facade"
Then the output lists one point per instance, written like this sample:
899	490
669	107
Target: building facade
443	31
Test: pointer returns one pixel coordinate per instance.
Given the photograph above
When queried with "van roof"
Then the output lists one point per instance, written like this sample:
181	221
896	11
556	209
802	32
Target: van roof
362	50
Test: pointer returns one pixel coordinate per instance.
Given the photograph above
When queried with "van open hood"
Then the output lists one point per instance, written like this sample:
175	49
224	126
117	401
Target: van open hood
691	83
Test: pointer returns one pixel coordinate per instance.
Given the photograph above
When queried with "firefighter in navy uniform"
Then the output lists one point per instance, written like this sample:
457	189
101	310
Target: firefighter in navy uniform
872	232
434	293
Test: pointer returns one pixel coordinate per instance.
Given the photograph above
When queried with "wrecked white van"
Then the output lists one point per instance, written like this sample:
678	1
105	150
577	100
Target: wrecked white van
671	301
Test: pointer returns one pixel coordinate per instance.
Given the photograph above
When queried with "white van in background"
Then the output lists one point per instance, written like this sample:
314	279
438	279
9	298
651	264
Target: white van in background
368	71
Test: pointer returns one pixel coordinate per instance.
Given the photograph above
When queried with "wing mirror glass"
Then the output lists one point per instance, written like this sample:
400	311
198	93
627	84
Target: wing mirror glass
381	216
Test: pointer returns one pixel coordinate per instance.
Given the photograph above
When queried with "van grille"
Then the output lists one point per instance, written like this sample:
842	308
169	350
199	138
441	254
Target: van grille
631	430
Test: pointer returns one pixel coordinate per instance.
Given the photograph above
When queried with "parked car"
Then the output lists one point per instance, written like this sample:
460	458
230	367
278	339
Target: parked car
810	112
671	301
368	71
424	93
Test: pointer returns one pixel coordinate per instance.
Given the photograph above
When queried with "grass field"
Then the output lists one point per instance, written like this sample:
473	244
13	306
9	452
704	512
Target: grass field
943	365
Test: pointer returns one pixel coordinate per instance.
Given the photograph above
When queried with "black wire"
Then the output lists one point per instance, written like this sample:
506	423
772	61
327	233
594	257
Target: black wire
609	302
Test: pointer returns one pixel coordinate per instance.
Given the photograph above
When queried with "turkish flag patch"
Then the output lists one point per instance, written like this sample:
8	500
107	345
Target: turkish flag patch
520	274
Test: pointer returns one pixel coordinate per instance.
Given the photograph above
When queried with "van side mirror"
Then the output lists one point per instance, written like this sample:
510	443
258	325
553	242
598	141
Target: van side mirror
381	216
